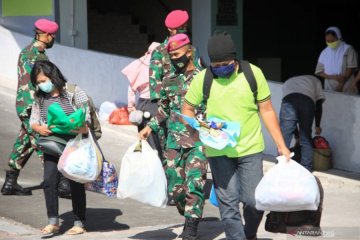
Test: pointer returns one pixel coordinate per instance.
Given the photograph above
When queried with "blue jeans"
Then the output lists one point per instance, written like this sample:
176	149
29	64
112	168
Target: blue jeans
298	109
235	180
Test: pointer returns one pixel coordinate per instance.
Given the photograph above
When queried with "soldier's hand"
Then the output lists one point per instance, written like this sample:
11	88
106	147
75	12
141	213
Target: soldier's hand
144	134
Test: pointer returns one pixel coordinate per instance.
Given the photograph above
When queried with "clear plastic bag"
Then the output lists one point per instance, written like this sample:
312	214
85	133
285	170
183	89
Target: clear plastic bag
287	186
81	160
142	176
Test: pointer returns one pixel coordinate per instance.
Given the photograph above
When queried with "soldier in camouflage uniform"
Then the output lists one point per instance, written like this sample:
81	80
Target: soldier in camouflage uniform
160	64
25	143
186	164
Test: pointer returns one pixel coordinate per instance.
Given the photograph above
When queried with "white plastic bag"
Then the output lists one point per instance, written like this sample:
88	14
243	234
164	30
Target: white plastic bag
81	160
142	176
106	108
287	186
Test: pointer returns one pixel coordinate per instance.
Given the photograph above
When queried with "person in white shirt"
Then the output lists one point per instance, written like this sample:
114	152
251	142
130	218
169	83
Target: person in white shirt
337	63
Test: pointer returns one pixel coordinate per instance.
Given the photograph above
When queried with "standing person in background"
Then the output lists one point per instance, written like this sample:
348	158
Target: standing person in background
51	88
160	64
137	73
237	170
25	143
186	164
302	102
337	63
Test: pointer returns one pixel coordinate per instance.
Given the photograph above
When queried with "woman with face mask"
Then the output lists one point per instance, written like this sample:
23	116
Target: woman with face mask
337	63
51	88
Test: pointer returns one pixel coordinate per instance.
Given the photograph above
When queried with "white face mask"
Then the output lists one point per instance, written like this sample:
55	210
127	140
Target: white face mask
47	86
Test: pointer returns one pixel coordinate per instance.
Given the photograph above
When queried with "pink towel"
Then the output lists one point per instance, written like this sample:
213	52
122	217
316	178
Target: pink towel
137	73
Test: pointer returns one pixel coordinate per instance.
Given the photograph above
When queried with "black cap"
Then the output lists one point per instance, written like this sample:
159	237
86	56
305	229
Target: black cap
221	47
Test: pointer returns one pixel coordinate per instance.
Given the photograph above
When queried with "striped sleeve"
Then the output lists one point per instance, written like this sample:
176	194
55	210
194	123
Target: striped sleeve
80	100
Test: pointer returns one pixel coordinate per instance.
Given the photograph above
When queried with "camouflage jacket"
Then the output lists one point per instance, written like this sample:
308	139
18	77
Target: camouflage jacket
160	65
173	90
25	89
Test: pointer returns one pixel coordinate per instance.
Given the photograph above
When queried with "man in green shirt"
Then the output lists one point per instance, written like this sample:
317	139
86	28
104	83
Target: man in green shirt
25	143
237	170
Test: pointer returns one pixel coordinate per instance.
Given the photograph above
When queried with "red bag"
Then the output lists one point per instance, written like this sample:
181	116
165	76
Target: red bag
120	116
320	143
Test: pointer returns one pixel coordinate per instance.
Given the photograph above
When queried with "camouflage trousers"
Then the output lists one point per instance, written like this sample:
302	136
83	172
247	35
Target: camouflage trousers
186	172
24	146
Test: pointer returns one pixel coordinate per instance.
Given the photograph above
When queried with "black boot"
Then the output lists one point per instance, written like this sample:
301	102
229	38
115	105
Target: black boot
190	229
11	187
64	187
171	201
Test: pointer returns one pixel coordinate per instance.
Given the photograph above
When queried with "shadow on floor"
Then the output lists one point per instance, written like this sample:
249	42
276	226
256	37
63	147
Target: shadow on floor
209	228
97	220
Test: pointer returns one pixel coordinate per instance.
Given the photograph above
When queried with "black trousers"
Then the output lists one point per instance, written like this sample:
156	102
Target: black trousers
51	180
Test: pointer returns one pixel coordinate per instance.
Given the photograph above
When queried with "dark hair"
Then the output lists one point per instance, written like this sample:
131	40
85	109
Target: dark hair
52	72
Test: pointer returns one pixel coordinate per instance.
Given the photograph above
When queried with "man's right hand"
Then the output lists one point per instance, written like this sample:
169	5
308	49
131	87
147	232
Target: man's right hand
144	134
318	130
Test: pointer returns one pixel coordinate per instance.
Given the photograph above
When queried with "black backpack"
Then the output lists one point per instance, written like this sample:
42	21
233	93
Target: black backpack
244	66
95	126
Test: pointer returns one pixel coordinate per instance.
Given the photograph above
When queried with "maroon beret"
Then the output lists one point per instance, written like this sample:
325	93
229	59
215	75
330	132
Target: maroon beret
46	26
176	19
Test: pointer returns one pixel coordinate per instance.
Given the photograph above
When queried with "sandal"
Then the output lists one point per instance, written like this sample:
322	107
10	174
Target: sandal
75	230
51	228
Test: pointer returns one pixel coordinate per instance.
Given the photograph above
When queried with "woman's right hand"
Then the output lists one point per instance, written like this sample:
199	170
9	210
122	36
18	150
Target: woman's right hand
43	130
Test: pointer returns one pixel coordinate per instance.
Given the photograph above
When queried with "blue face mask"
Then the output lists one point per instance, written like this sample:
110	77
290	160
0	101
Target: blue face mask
47	86
224	71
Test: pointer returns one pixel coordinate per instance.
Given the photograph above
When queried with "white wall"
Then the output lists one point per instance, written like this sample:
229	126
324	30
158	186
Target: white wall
97	73
340	123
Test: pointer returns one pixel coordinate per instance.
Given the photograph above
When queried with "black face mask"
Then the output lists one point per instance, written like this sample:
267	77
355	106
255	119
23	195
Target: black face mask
51	43
47	44
180	63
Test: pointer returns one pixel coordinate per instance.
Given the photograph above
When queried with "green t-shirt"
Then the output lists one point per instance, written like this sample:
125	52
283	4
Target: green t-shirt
232	100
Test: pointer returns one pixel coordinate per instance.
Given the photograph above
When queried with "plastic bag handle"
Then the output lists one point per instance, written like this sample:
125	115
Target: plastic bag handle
138	147
282	158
